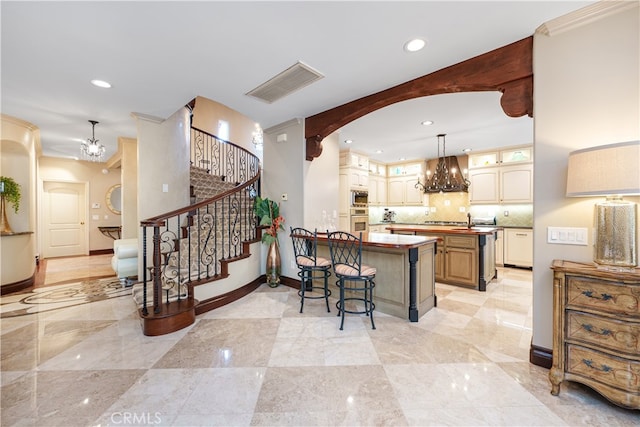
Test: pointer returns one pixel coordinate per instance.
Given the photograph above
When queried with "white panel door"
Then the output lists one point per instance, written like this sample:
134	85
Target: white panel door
64	215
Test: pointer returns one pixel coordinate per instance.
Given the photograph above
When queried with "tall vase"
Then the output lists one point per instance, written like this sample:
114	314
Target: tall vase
274	267
4	222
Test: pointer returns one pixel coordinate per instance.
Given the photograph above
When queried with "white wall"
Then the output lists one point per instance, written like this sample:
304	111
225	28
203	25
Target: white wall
163	159
321	194
311	186
586	93
283	174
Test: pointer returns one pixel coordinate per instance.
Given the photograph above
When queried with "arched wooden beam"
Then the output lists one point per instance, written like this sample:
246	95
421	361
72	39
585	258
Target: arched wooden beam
508	69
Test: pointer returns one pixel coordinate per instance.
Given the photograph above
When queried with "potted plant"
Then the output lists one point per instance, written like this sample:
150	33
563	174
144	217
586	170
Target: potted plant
10	192
268	213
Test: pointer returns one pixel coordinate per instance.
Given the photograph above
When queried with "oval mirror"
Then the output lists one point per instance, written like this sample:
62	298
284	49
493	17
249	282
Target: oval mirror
114	199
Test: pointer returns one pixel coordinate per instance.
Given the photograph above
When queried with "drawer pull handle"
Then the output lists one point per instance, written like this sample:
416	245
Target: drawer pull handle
590	328
604	297
602	368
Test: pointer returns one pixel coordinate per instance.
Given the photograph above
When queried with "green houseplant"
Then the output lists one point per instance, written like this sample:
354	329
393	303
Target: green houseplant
10	192
268	213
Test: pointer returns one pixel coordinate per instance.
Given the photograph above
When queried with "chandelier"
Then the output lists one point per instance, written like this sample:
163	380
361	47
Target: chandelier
446	177
91	150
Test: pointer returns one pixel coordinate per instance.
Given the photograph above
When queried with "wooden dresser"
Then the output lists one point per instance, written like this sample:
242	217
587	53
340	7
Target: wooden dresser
596	331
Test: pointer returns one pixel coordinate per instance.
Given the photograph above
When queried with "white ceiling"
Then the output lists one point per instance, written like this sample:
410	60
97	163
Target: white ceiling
160	55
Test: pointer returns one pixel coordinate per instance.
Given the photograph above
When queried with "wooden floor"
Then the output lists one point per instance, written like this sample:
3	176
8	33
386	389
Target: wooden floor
54	271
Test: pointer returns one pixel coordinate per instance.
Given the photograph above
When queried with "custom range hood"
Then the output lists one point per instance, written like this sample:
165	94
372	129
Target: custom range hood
446	177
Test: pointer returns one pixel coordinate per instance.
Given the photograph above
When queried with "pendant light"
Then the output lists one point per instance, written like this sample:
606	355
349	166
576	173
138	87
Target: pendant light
91	150
446	177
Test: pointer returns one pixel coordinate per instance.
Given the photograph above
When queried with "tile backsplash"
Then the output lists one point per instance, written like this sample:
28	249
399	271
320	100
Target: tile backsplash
447	208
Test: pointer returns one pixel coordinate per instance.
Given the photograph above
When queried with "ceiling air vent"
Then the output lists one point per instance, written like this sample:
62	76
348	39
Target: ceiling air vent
290	80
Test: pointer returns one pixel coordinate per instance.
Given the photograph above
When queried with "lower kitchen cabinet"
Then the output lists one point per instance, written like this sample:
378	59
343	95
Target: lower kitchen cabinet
500	247
518	247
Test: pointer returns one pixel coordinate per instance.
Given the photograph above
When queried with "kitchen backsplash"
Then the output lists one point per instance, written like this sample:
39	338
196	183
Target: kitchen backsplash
447	208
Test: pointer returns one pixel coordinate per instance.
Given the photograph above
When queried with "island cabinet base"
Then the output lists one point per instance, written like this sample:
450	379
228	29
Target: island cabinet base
405	278
465	256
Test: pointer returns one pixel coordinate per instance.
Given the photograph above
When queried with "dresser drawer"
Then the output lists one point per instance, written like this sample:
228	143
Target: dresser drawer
612	334
585	292
623	374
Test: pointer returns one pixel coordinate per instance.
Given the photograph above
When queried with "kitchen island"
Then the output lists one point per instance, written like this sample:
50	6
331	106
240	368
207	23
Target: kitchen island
465	255
405	278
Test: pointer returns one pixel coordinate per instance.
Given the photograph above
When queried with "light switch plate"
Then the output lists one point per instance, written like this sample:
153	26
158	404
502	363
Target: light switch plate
567	235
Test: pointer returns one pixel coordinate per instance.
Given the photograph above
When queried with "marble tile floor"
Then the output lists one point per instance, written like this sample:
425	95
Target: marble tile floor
258	361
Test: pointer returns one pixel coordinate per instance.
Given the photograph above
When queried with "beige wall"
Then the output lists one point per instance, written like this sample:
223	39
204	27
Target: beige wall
207	114
128	149
77	171
586	94
19	144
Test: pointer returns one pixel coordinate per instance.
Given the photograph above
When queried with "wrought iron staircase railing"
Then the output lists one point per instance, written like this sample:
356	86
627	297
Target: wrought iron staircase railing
193	245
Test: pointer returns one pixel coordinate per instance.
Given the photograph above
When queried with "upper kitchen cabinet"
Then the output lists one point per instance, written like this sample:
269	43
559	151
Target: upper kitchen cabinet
377	184
504	176
401	183
356	167
511	155
516	184
483	187
353	159
358	179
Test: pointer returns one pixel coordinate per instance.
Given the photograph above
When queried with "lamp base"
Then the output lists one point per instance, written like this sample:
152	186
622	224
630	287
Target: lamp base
615	241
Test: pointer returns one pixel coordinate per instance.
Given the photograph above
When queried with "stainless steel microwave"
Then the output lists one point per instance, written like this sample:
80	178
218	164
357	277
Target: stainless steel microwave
359	198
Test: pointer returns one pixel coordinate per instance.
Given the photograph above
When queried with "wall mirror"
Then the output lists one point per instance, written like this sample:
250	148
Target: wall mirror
114	199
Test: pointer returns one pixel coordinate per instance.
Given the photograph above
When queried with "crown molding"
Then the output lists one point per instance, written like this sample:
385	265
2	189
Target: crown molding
585	15
283	126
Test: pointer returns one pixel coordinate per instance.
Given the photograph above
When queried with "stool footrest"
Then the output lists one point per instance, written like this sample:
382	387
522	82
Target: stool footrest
321	289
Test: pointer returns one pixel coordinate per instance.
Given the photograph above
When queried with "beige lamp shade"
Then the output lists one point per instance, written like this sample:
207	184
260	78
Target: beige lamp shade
606	170
611	171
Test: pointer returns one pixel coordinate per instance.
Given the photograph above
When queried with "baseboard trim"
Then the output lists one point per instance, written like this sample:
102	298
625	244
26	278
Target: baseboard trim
101	252
541	356
224	299
18	286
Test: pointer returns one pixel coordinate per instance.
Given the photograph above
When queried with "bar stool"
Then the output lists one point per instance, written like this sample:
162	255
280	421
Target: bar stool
346	258
311	266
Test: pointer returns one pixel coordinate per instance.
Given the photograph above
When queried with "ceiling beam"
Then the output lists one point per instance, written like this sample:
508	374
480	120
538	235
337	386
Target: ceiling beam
508	69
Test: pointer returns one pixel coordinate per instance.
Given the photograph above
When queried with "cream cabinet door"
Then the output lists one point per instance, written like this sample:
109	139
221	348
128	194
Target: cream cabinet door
484	186
516	184
412	195
518	247
395	191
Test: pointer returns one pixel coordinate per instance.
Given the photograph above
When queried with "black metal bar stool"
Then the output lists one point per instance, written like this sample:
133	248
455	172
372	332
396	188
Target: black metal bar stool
346	258
311	266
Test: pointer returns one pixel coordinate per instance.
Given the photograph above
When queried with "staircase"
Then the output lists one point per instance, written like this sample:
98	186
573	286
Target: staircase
193	246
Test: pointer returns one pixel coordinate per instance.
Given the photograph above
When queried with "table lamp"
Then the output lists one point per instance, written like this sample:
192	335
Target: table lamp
611	171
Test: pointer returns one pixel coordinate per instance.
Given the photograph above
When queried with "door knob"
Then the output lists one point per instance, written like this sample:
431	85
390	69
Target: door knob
81	222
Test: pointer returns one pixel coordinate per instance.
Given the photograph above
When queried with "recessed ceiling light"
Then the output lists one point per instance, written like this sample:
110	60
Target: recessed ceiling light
348	141
466	150
414	45
427	123
101	83
378	151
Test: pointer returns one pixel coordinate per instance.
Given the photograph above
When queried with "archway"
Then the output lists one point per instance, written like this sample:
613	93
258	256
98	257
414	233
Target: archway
508	69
